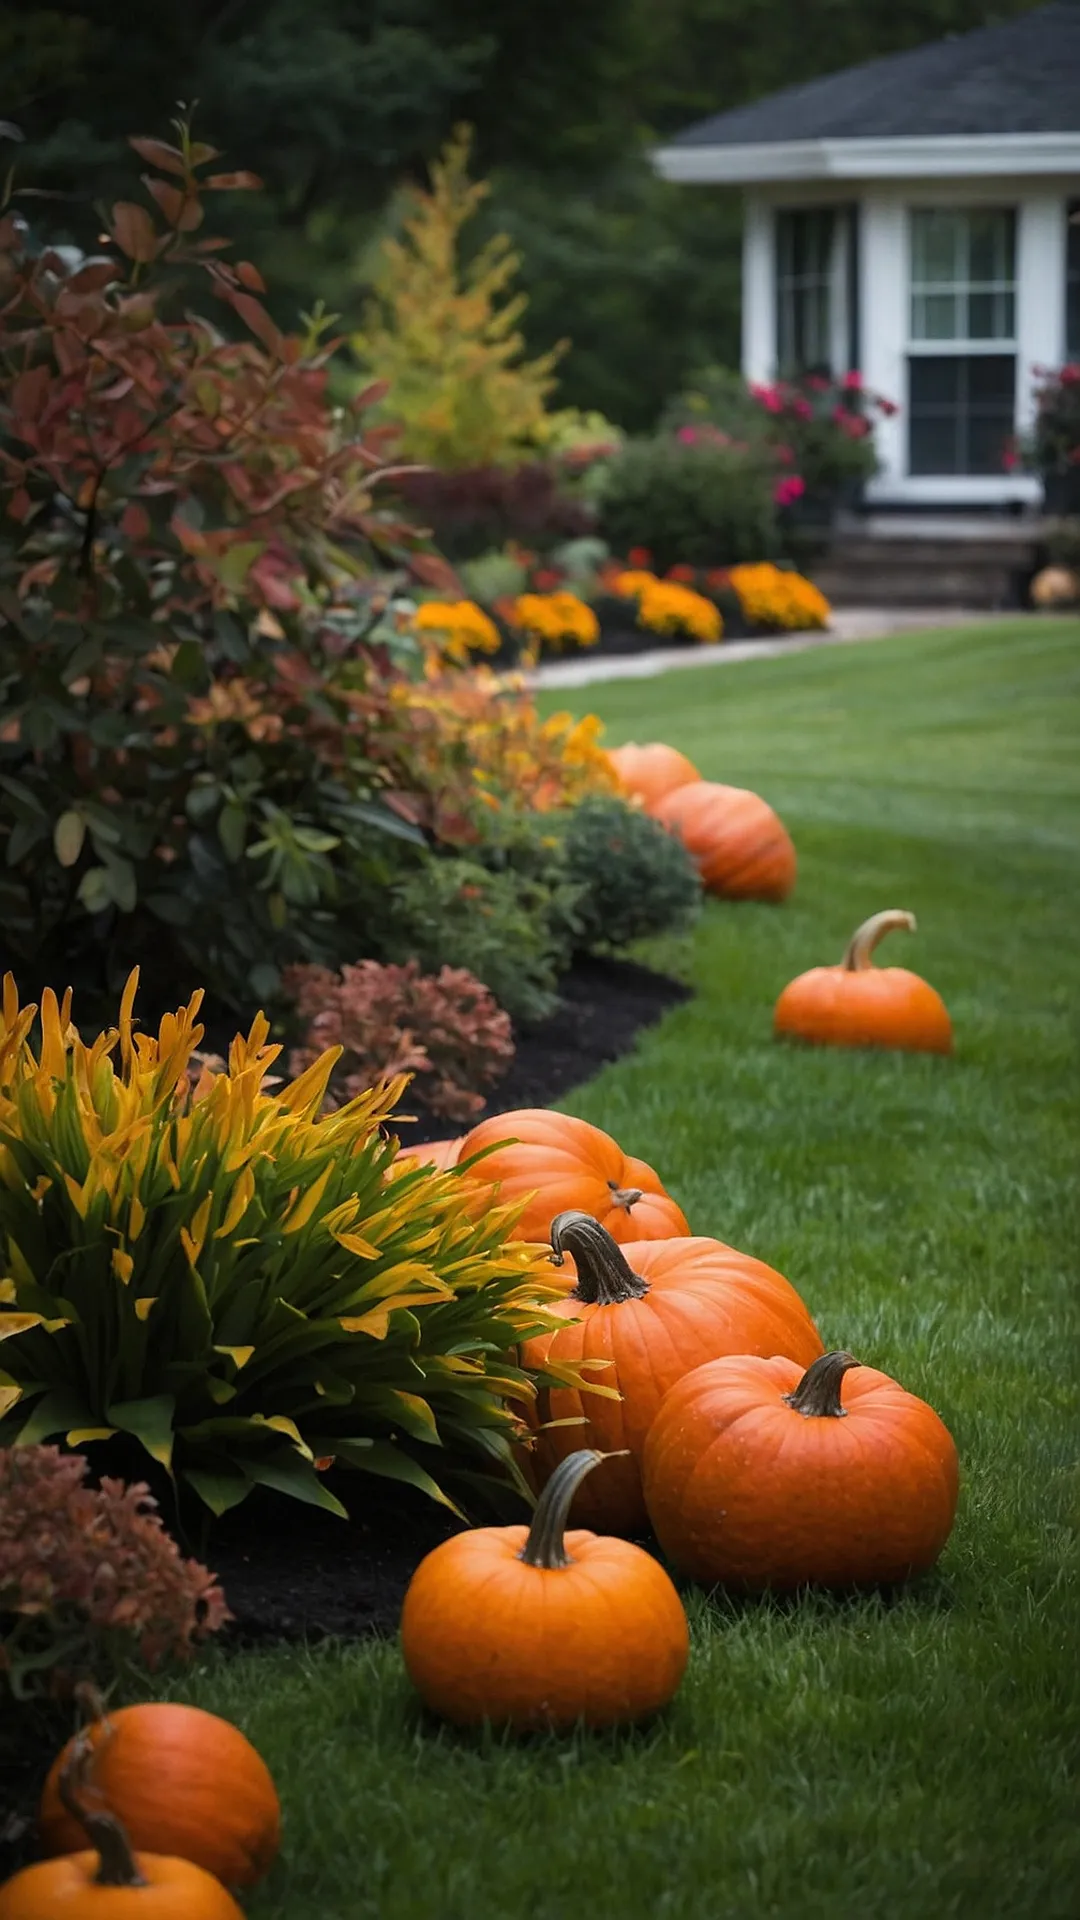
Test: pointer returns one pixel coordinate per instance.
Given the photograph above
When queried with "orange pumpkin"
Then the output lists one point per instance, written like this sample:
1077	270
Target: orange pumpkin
653	1311
560	1162
439	1154
182	1782
651	771
761	1476
859	1005
526	1628
109	1881
741	847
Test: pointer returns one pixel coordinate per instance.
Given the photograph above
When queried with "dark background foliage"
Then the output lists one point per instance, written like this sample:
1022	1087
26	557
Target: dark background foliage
335	102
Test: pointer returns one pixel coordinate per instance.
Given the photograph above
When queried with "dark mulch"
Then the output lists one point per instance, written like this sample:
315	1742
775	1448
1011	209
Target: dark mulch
604	1005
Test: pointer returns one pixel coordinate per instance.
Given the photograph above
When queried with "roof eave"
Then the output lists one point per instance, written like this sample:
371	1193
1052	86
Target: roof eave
935	156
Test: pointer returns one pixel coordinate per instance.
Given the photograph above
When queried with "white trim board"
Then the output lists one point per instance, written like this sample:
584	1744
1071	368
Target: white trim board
940	156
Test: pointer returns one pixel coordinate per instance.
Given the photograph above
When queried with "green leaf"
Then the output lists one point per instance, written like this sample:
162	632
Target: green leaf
202	799
189	663
55	1413
68	836
232	830
291	1474
25	798
95	890
219	1488
151	1422
383	1458
24	835
169	907
234	565
123	886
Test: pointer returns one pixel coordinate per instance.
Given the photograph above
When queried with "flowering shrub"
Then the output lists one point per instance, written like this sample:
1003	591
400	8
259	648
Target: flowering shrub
186	1256
773	597
89	1577
665	606
459	628
446	1029
816	432
555	619
484	731
1055	439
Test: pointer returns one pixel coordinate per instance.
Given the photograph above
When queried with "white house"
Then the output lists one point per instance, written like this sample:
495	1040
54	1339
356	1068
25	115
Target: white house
917	218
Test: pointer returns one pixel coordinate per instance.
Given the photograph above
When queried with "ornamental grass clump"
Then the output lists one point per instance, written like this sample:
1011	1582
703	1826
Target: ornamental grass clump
89	1578
246	1287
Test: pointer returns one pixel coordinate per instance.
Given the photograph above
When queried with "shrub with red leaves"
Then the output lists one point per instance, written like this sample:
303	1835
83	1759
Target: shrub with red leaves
480	509
446	1028
89	1577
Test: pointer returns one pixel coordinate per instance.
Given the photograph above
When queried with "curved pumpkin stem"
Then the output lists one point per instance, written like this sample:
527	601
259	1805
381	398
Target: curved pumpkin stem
857	957
625	1196
605	1276
818	1392
117	1866
544	1546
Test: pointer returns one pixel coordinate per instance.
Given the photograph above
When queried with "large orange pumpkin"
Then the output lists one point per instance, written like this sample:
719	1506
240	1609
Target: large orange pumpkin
761	1476
109	1881
561	1162
526	1628
859	1005
653	1311
741	847
182	1782
651	771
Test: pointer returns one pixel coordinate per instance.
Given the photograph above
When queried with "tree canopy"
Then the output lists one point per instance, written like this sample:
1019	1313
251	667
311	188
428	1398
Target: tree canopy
336	103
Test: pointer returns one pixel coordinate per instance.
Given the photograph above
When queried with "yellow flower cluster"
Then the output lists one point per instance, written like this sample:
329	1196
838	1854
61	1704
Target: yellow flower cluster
666	607
555	620
493	727
769	597
458	628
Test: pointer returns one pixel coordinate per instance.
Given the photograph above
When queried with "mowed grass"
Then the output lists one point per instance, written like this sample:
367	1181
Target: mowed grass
911	1759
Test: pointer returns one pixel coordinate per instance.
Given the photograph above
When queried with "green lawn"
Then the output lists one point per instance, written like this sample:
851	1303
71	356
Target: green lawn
827	1759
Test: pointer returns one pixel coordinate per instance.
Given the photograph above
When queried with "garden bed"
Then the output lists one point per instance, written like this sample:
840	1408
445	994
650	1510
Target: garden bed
604	1004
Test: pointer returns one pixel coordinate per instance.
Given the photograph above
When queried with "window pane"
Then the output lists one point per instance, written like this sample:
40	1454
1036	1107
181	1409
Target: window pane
1072	283
935	381
935	252
806	261
991	244
991	379
933	445
987	435
935	317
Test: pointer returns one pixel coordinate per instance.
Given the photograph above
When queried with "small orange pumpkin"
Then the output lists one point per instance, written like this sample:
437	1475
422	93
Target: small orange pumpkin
182	1782
560	1162
526	1628
760	1476
651	771
742	849
110	1882
651	1311
859	1005
439	1154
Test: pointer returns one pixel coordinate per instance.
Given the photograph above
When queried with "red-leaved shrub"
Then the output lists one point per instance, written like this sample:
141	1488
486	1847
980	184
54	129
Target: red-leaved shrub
446	1028
89	1577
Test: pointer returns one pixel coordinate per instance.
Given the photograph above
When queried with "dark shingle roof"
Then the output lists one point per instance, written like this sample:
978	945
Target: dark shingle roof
1020	77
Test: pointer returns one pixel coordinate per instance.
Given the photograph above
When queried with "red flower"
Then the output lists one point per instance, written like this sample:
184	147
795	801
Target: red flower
639	557
546	579
686	575
791	487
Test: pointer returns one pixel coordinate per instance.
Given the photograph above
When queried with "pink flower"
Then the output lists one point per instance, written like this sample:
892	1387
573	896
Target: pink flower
1010	459
768	397
802	409
791	487
1070	374
852	382
887	407
688	436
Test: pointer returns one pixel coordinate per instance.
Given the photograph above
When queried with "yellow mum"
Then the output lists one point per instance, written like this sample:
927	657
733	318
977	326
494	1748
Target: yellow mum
458	628
555	619
665	607
771	597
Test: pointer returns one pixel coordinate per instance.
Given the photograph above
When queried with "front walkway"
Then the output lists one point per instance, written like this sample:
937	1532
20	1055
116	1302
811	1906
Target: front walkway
848	624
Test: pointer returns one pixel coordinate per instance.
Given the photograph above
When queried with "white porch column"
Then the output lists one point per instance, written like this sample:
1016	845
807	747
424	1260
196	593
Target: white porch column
883	323
758	290
1041	241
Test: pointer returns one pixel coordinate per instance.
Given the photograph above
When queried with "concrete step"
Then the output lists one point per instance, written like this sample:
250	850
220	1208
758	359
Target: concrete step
916	584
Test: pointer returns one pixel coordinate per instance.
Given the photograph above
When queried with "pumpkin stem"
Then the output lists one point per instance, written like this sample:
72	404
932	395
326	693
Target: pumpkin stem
818	1392
625	1196
544	1546
865	938
116	1863
605	1276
